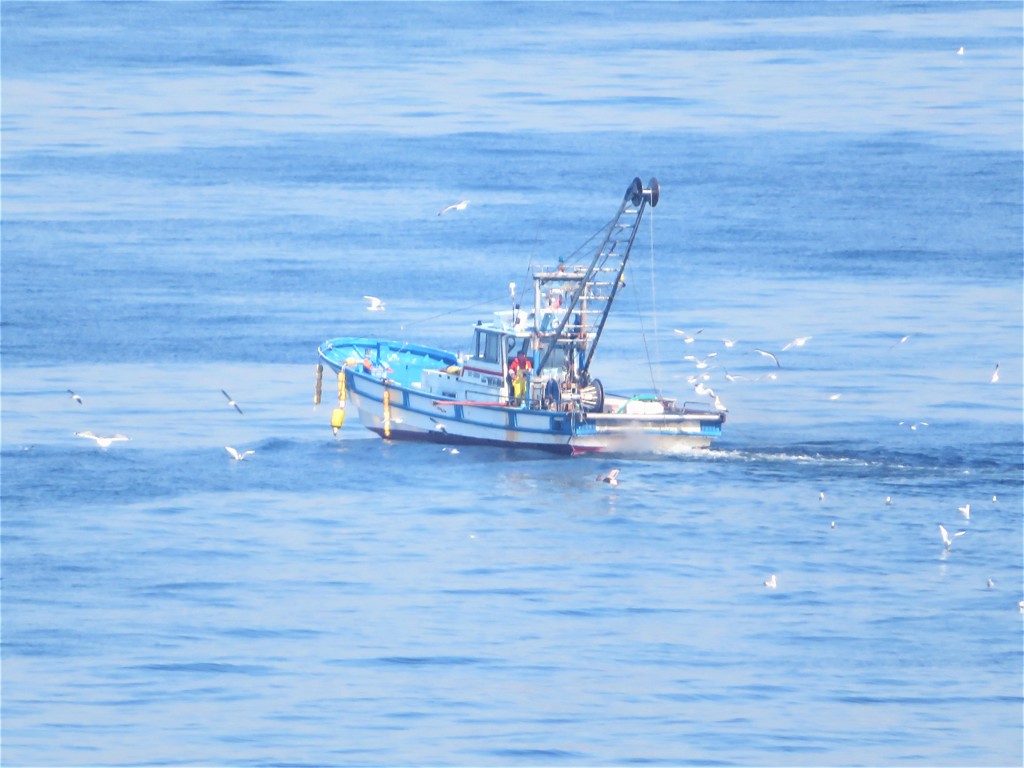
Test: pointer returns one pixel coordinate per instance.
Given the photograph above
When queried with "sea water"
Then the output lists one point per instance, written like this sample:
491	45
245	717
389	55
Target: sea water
196	195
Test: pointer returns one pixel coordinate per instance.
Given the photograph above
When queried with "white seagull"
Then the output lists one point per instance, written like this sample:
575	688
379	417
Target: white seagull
238	455
914	424
799	342
901	340
231	402
75	397
612	478
701	363
965	510
772	582
702	389
688	338
729	343
459	206
960	51
102	442
995	375
769	354
947	540
376	305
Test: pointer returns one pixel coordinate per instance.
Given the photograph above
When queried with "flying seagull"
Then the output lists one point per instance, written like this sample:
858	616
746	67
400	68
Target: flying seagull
946	537
231	402
688	337
965	510
797	342
459	206
376	305
75	397
901	340
612	478
769	354
772	582
102	442
995	375
702	389
238	455
703	363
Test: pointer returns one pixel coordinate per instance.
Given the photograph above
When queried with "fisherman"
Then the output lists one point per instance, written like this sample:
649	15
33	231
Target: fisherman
520	367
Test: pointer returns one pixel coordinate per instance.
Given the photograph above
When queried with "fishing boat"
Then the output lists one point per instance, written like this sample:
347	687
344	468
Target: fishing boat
526	379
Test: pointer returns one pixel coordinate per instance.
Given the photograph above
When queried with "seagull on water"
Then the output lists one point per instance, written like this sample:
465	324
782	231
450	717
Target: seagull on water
459	206
960	51
102	442
965	510
238	455
769	354
231	401
772	582
688	338
888	501
612	478
991	583
799	342
995	375
947	540
901	340
75	397
376	305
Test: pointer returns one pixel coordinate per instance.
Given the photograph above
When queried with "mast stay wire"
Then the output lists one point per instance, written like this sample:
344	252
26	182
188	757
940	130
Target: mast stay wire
640	320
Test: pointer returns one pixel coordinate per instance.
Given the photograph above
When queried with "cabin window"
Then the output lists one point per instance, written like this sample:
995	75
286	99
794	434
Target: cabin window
487	346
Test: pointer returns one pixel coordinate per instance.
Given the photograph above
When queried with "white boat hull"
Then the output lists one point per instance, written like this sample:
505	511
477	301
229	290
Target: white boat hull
405	413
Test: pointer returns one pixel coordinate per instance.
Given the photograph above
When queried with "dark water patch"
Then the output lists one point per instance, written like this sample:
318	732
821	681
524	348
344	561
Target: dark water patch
432	661
207	668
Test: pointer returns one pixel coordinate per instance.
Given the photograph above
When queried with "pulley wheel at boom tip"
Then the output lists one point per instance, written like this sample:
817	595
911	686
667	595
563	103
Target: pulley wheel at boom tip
655	191
636	191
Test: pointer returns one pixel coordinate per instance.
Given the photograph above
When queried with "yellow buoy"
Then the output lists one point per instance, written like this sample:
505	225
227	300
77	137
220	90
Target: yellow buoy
387	413
337	419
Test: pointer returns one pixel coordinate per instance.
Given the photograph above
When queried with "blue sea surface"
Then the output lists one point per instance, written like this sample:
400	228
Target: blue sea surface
195	195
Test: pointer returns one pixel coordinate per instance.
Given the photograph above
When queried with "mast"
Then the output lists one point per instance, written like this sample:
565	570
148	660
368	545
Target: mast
597	287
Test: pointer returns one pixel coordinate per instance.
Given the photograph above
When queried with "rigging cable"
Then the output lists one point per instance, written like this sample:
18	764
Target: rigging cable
654	308
640	319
